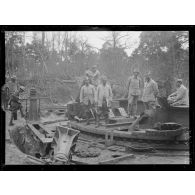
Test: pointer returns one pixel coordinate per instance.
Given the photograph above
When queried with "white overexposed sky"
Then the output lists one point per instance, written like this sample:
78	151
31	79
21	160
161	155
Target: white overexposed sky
97	38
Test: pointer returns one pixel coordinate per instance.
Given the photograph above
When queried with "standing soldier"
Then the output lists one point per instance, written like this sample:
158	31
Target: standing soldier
150	93
103	99
15	105
87	98
95	76
133	92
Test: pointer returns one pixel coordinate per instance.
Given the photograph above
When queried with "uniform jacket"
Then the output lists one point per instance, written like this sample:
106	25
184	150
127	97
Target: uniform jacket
87	94
150	91
134	86
104	92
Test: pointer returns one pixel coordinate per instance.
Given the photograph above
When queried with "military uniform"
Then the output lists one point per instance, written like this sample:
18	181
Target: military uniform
134	91
87	98
103	98
15	105
149	94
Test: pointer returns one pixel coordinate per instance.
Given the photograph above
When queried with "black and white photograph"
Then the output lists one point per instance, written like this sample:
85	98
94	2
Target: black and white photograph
96	97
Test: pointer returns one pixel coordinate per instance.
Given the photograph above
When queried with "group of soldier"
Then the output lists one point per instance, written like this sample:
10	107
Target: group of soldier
96	93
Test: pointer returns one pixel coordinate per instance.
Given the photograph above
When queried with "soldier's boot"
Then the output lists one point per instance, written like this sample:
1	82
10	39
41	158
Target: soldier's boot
11	120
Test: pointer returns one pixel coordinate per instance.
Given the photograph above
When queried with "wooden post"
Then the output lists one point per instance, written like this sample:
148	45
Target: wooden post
33	109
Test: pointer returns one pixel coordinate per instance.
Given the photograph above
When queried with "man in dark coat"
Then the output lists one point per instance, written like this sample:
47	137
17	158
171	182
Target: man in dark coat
15	105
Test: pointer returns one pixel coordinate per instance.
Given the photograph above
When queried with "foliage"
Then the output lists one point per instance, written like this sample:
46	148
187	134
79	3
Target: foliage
66	56
165	54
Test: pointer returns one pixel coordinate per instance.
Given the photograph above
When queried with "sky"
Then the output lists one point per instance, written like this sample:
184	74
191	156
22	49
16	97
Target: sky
96	38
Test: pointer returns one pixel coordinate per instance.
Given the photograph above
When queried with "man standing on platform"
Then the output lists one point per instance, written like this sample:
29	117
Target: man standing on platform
150	93
103	100
87	98
133	92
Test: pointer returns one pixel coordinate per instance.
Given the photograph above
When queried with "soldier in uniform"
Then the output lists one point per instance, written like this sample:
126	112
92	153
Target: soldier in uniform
87	98
103	100
134	91
15	105
150	93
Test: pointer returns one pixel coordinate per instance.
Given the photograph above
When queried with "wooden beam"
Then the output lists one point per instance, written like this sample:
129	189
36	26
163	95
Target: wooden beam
115	160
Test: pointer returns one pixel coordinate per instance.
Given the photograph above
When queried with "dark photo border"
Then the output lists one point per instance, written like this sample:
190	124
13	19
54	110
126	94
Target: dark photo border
155	167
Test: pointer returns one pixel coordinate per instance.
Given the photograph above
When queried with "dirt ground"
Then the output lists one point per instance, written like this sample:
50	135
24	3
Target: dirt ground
14	156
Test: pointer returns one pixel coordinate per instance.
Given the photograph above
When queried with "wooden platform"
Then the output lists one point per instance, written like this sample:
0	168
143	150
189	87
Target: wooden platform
142	134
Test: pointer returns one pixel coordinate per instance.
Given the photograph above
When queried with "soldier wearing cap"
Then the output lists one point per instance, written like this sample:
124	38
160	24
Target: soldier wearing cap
15	104
87	98
103	100
180	97
133	92
150	92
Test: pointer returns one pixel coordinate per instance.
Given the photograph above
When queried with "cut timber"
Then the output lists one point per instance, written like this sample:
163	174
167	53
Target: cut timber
54	107
115	160
167	155
40	135
147	114
142	134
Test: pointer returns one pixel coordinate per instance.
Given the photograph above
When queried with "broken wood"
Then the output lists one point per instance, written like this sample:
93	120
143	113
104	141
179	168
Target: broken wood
146	114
